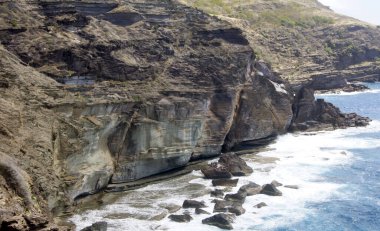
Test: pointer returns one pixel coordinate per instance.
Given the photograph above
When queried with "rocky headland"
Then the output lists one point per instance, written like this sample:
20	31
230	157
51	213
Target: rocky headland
106	92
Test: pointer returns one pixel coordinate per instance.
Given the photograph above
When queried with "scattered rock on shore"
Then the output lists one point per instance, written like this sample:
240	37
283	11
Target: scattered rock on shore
270	190
218	193
215	172
98	226
225	182
251	189
181	218
235	165
239	196
220	220
229	206
193	204
201	211
260	205
276	183
292	186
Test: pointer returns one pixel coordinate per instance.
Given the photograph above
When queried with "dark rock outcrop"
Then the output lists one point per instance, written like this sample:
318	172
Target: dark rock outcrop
181	218
238	197
251	189
316	114
218	193
235	165
97	226
223	221
225	182
201	211
193	204
235	207
215	172
270	190
260	205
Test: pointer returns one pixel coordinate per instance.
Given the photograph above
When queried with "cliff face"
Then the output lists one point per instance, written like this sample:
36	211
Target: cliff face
113	91
304	40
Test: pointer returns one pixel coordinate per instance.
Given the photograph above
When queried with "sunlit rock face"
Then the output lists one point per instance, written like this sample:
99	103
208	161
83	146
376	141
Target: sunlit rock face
142	87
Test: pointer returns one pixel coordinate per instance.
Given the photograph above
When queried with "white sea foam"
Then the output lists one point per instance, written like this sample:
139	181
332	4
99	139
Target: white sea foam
299	159
370	91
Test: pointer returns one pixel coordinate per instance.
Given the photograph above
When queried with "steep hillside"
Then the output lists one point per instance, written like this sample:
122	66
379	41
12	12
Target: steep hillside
304	39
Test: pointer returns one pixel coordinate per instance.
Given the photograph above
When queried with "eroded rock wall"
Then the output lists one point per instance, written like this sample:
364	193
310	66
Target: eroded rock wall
136	88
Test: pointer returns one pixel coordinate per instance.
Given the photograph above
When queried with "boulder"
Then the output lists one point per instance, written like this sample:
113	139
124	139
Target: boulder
276	183
260	205
97	226
211	172
251	189
229	206
201	211
270	190
181	218
235	165
193	204
292	186
172	208
220	220
239	196
217	193
225	182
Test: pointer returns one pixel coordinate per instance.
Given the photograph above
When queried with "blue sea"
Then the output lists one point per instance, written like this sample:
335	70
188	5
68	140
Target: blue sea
337	174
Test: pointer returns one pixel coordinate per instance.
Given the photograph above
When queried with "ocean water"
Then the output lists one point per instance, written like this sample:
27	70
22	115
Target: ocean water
337	172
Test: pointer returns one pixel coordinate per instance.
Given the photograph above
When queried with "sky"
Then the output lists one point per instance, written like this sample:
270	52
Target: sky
365	10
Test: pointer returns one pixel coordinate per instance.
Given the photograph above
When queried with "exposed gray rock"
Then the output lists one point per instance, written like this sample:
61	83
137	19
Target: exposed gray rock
193	204
214	172
292	186
220	220
260	205
251	189
98	226
276	183
201	211
225	182
235	165
218	193
181	218
234	207
239	196
270	190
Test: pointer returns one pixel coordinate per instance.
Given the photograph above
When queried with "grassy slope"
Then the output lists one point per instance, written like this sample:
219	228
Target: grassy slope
302	38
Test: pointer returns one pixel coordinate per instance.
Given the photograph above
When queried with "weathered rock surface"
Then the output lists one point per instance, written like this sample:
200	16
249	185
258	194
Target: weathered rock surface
250	189
235	165
218	193
270	190
181	218
238	197
235	207
201	211
193	204
98	226
116	91
305	40
223	221
215	172
260	205
315	114
275	183
225	182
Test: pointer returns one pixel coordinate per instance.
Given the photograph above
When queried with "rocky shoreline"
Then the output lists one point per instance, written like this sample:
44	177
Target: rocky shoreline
96	95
